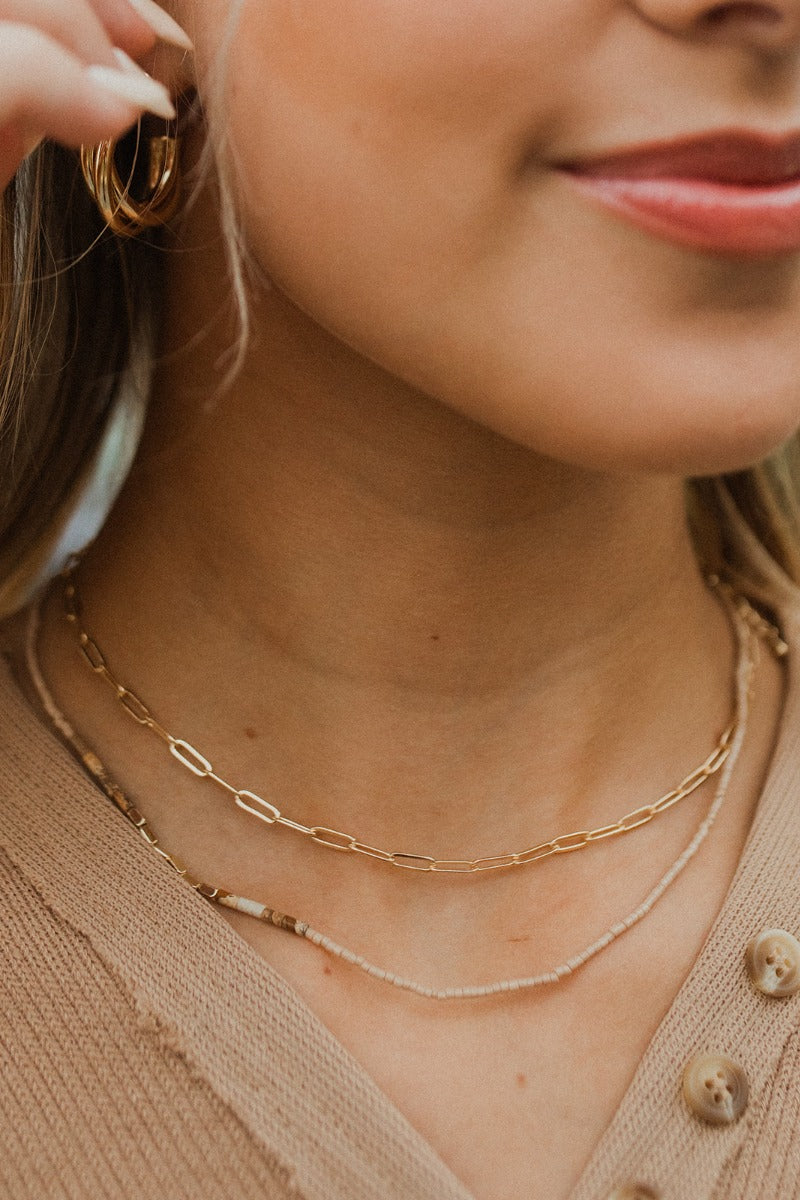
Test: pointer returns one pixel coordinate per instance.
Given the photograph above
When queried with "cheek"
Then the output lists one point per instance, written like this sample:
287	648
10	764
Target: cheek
380	147
617	352
366	130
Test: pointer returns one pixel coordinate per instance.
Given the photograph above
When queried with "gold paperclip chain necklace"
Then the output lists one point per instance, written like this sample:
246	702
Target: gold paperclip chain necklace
250	802
748	625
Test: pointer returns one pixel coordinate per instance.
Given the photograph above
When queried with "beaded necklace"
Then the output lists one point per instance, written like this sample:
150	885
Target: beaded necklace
747	626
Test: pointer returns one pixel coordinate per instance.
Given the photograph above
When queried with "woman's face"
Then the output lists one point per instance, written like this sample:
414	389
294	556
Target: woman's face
403	172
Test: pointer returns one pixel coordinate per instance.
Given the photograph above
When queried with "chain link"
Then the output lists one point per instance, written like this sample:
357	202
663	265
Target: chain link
280	920
334	839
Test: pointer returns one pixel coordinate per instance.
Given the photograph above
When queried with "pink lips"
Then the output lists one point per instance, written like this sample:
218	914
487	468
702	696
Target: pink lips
734	193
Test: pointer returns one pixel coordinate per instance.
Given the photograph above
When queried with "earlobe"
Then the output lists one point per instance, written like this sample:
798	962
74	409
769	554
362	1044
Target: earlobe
171	59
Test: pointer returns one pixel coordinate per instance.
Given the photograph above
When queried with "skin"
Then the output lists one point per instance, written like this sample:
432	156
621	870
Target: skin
422	572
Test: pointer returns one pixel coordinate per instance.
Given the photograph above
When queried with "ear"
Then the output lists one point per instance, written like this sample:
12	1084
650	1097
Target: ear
172	66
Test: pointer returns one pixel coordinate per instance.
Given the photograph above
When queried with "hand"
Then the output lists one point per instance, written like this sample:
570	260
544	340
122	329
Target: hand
67	71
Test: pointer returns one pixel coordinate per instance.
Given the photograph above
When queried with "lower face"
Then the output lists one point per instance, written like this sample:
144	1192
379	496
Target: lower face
402	166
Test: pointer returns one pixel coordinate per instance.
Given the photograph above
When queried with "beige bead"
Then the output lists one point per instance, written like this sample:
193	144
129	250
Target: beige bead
634	1191
715	1089
773	962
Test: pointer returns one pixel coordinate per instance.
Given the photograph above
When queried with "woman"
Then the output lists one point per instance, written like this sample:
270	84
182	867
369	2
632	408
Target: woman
453	302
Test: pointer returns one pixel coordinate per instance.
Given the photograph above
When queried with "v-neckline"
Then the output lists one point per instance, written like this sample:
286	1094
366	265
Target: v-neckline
225	994
715	1008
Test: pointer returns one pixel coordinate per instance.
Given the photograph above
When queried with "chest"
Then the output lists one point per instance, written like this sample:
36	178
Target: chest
512	1094
513	1106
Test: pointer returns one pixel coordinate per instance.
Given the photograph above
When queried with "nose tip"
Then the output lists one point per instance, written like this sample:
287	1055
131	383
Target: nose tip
766	25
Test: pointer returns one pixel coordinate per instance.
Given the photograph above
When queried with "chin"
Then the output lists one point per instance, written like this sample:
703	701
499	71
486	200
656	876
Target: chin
718	418
708	438
713	448
719	458
724	403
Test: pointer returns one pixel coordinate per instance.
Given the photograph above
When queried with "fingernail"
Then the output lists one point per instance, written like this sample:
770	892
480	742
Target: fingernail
139	89
162	23
127	64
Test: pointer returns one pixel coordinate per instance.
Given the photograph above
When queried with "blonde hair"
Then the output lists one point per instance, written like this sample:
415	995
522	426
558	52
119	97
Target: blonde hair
80	318
75	305
79	326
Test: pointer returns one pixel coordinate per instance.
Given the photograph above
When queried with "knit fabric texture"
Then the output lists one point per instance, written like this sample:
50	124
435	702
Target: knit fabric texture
148	1053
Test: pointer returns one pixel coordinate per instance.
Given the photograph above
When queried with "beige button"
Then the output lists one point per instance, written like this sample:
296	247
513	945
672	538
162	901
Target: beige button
773	962
634	1191
715	1089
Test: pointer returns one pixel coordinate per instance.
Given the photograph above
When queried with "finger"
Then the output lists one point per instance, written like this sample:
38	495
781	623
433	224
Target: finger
124	26
138	23
76	25
46	90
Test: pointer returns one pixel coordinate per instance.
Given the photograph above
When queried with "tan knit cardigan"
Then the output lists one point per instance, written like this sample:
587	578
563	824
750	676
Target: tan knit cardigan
148	1053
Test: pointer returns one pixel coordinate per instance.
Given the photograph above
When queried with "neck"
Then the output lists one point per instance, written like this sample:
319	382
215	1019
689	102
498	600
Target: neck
389	619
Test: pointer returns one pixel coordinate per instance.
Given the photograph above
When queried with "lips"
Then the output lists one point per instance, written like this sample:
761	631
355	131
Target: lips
734	192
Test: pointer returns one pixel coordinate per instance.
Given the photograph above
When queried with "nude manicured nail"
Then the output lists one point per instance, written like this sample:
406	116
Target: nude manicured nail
127	64
162	23
138	89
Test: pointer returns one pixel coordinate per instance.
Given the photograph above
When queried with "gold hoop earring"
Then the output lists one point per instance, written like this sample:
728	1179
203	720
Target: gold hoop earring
156	180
